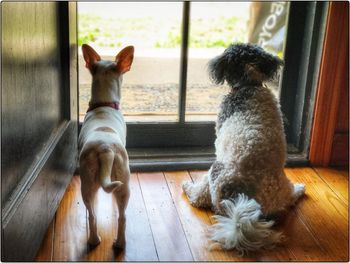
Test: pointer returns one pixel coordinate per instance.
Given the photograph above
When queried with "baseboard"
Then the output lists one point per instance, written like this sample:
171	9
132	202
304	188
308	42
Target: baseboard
159	159
31	208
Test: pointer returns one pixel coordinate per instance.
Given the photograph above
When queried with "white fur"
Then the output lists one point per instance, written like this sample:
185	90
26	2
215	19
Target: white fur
250	157
242	228
247	182
103	158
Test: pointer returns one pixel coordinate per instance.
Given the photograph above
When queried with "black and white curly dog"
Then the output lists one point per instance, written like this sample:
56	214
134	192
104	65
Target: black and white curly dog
246	184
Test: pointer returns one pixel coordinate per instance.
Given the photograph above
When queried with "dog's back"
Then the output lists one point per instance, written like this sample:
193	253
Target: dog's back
105	121
250	128
103	130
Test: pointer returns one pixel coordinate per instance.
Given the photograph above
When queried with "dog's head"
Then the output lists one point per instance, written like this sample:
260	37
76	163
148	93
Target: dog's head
107	75
244	64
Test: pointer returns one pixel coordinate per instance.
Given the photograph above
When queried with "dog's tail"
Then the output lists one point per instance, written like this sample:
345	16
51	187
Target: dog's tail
106	160
242	228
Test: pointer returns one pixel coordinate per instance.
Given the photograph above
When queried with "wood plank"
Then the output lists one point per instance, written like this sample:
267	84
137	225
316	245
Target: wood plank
195	222
300	243
324	214
46	249
169	237
70	241
139	239
300	240
337	180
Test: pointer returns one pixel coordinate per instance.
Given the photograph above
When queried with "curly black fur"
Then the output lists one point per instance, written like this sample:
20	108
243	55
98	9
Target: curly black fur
233	102
216	169
244	64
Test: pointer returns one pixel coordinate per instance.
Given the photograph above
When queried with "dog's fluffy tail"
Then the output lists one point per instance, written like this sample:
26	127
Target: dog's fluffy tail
242	228
106	162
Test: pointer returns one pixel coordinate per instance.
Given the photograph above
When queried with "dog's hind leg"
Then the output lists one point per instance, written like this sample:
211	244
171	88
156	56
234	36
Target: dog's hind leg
198	193
122	198
89	193
88	172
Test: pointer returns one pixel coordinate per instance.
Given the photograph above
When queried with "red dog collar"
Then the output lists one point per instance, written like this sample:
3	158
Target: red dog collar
114	105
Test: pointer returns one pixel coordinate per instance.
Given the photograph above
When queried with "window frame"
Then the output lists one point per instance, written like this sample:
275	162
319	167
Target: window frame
306	22
190	145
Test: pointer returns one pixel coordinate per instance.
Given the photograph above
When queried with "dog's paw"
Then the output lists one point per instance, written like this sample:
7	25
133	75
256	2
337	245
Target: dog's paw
119	244
192	196
94	241
186	186
298	191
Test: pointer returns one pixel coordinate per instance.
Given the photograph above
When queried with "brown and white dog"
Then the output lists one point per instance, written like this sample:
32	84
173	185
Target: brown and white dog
103	158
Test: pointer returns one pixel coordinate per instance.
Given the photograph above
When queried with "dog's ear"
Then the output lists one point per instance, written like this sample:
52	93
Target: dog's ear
90	56
216	68
124	59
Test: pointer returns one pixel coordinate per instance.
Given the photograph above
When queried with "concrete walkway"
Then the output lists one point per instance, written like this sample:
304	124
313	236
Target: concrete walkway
157	66
150	90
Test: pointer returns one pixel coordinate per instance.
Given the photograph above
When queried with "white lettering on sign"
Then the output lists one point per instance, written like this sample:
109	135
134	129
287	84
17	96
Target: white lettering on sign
270	23
277	8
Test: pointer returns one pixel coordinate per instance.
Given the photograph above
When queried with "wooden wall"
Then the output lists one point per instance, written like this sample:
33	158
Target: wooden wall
330	133
38	120
340	143
31	99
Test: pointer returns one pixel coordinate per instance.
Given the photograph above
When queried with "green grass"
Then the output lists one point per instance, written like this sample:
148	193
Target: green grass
156	33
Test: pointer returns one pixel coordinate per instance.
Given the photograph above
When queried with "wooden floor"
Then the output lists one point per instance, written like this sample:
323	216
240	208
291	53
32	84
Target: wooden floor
163	226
